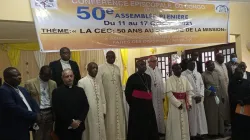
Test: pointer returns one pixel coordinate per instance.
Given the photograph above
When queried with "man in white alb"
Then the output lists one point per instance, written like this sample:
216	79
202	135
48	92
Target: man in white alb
197	116
179	92
110	78
221	68
157	92
95	126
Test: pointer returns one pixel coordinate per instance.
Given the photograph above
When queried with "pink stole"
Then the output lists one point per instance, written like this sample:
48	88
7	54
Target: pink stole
142	94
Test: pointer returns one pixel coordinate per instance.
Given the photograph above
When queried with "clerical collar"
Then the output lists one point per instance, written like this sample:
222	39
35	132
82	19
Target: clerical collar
91	77
218	63
152	68
68	86
62	61
209	71
141	73
190	71
109	64
177	76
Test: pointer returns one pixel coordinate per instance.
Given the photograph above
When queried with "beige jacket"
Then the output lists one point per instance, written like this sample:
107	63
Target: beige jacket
33	87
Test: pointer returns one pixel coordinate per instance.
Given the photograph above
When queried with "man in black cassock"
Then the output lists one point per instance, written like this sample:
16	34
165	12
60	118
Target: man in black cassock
239	89
70	107
142	121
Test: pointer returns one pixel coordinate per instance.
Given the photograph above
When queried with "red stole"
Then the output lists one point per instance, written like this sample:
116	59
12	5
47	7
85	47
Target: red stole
142	94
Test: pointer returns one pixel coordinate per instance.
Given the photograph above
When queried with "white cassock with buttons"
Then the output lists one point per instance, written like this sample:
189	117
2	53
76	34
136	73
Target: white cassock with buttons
197	116
110	78
157	88
177	123
94	123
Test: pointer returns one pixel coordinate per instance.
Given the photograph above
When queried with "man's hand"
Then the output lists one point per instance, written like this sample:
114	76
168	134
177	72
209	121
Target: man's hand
180	107
241	102
197	99
189	107
212	94
75	124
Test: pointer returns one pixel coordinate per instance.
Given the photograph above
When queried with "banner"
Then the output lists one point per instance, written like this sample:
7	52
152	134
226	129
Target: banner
100	24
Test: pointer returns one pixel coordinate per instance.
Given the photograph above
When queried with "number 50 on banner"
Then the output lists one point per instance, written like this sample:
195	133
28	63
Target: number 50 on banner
83	12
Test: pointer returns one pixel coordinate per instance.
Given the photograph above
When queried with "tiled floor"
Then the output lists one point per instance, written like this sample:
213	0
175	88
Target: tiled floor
227	138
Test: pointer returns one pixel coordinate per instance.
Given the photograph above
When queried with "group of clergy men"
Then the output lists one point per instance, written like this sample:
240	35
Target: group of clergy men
59	104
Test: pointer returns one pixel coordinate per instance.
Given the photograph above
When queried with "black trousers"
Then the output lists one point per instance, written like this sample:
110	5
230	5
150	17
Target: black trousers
45	126
241	127
70	135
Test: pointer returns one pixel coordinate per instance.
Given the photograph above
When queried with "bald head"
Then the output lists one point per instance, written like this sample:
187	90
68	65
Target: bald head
65	53
243	66
152	58
68	77
194	56
12	76
152	62
219	58
45	73
92	69
210	65
110	56
176	69
141	66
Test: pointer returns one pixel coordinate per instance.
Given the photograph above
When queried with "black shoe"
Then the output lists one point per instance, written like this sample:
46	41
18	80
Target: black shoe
212	136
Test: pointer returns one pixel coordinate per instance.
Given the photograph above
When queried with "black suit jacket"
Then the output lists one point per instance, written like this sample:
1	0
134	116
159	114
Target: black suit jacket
229	70
57	69
15	119
0	81
199	66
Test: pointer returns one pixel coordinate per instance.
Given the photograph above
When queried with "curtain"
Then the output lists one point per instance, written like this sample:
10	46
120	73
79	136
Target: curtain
96	56
40	58
124	56
76	56
14	51
14	56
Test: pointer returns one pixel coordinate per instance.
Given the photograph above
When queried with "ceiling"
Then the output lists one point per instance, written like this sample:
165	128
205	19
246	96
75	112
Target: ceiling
17	32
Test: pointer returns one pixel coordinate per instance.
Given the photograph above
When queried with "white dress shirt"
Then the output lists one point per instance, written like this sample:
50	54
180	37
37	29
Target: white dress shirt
44	95
245	75
23	98
65	64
